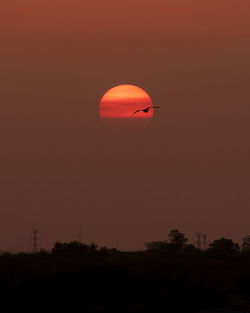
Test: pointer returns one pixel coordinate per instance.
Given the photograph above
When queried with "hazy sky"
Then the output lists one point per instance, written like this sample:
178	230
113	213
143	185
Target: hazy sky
60	166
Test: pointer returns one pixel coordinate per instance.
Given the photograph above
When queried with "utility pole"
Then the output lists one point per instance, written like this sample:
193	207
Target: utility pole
35	240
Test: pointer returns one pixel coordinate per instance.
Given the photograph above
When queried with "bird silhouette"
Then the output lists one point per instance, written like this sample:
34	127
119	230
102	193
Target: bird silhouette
145	110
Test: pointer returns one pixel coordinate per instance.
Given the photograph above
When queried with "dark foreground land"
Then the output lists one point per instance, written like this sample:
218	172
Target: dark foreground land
166	277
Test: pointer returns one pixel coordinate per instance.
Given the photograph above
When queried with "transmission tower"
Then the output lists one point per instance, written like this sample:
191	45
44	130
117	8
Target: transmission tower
201	241
35	240
198	242
204	241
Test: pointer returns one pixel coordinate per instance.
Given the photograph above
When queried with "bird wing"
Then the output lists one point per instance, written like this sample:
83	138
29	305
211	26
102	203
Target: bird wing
136	111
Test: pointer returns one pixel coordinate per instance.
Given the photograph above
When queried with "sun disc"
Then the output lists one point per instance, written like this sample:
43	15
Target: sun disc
123	100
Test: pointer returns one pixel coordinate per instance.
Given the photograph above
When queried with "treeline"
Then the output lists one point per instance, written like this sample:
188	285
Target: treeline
178	243
168	276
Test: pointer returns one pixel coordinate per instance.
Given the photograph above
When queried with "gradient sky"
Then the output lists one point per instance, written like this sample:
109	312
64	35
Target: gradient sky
60	166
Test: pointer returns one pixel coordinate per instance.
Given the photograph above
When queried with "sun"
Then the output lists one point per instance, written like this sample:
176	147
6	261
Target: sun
123	100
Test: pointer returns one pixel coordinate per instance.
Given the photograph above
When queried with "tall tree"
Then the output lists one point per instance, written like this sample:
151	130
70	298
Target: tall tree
177	238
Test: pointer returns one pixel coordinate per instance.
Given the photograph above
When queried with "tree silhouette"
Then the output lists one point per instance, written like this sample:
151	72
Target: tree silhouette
157	245
177	242
246	244
171	276
177	238
74	247
223	247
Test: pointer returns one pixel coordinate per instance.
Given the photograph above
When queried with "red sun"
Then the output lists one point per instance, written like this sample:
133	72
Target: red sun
123	100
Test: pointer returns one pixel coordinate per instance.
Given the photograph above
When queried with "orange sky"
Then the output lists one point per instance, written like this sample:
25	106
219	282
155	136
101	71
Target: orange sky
187	169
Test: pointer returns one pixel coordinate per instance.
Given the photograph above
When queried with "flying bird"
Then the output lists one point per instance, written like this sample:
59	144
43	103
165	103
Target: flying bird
146	110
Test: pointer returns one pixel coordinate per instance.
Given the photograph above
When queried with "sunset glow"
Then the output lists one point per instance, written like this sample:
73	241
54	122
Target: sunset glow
121	101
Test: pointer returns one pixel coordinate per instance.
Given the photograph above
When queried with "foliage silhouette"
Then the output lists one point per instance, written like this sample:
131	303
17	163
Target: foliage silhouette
171	276
177	238
175	245
74	247
223	247
246	244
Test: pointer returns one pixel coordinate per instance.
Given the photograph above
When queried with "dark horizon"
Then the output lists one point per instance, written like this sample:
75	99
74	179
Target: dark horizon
167	276
193	241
